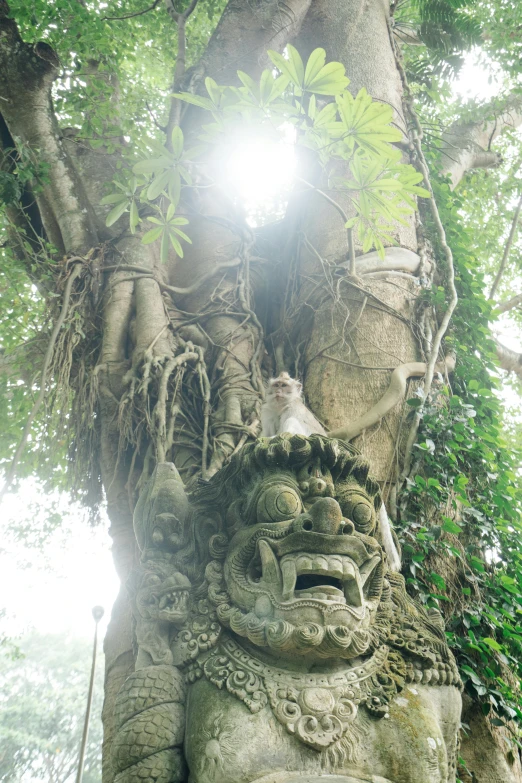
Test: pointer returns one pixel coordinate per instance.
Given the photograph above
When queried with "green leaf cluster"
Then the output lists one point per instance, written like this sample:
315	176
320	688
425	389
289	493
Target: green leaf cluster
447	29
327	119
102	47
156	183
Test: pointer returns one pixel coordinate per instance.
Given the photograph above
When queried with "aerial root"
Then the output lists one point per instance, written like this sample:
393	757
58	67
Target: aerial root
78	265
394	393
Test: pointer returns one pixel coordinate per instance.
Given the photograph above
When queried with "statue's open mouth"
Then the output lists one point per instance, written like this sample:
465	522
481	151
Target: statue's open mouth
174	600
172	603
303	576
319	585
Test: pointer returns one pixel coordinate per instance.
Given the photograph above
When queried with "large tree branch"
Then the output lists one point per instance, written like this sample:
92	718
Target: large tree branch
26	77
240	42
24	221
244	33
468	146
509	360
508	304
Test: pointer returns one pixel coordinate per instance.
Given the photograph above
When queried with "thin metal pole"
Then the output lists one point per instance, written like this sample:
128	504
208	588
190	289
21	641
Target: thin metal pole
97	613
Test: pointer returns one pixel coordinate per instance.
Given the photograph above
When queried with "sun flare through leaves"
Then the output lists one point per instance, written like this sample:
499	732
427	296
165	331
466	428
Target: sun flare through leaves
246	148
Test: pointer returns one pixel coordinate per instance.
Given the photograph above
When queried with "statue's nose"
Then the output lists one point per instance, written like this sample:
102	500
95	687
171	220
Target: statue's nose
317	486
326	516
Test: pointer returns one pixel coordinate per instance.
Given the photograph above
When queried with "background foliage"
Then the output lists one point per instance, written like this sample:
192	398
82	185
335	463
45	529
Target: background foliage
43	692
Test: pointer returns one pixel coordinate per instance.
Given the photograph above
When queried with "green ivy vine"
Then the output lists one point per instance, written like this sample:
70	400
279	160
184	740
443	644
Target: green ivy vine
464	465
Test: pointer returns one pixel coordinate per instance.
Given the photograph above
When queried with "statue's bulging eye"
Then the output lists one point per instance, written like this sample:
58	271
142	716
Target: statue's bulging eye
360	511
277	504
362	514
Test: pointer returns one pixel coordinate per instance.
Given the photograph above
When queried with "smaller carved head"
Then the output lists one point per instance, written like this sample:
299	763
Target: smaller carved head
163	594
161	511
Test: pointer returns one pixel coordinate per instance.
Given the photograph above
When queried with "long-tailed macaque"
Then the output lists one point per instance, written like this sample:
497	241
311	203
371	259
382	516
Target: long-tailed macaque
285	411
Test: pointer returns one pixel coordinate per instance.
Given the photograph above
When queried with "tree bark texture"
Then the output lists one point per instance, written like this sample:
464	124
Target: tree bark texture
480	749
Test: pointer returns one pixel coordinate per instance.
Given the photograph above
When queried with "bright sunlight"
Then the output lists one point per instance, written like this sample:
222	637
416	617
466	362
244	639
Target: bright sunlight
259	173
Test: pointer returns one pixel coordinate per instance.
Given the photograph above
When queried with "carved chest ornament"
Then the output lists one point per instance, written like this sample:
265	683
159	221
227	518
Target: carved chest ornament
319	709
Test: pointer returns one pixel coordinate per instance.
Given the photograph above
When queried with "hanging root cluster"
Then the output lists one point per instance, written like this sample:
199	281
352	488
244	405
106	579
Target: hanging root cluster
165	407
181	386
71	324
131	379
70	400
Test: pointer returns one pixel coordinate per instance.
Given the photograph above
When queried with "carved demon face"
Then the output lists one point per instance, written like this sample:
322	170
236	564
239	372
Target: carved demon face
162	595
304	571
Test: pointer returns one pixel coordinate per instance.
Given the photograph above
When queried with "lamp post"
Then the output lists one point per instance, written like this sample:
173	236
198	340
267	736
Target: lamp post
97	613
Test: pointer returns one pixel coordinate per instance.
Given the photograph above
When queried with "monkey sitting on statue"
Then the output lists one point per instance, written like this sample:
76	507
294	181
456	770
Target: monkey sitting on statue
285	411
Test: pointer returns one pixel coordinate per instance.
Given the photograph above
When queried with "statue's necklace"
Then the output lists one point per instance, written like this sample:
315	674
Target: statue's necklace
317	708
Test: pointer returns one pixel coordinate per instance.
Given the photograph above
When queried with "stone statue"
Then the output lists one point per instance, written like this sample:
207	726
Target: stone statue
275	645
